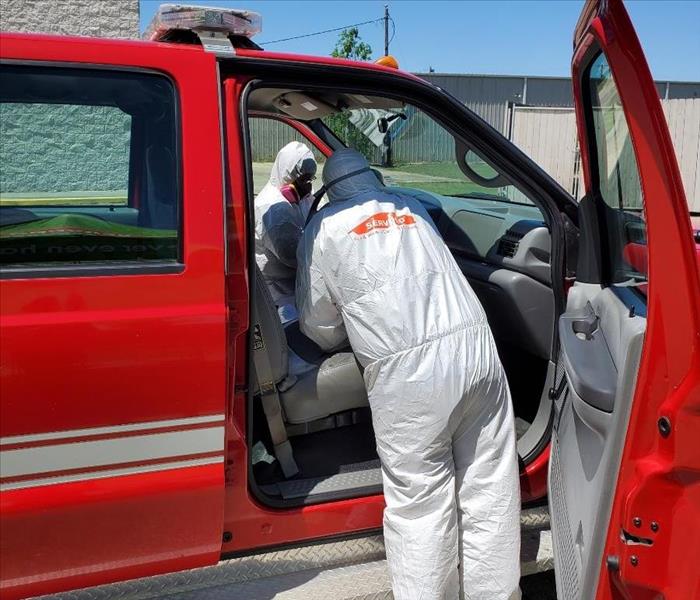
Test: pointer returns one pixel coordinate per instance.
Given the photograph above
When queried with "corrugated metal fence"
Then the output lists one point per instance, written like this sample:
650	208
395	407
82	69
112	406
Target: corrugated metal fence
683	117
420	139
268	136
545	131
549	136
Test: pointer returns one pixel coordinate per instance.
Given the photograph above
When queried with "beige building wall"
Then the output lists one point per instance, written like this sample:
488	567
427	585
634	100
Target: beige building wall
98	18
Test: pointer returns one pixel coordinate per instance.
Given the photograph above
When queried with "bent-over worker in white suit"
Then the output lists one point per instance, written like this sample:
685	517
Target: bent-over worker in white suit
373	269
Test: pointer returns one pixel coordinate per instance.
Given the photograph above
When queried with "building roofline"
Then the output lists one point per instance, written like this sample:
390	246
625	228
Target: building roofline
542	77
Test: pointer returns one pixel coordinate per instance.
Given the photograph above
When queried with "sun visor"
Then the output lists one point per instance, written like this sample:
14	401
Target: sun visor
302	107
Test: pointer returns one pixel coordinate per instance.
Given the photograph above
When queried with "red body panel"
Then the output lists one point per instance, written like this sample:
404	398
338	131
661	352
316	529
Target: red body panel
114	351
533	481
321	60
658	477
83	533
117	350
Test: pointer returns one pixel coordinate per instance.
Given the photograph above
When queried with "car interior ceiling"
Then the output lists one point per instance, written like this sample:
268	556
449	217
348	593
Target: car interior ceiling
504	252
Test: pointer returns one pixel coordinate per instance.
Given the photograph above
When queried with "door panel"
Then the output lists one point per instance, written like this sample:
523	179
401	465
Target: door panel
113	369
588	431
623	473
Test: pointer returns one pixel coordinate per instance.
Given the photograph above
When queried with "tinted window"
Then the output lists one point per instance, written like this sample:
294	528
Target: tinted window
89	167
616	180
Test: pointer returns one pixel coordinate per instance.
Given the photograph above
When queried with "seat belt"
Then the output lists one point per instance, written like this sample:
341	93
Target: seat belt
272	407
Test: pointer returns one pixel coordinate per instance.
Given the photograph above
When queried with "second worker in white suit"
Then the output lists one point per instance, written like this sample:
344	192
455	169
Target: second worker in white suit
374	271
280	211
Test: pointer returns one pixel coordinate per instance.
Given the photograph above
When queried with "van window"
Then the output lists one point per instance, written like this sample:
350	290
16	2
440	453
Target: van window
90	172
616	180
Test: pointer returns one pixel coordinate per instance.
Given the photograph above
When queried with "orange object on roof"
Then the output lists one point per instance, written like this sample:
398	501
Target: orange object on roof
387	61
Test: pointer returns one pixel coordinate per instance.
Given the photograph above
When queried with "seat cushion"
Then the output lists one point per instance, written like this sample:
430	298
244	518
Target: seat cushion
335	386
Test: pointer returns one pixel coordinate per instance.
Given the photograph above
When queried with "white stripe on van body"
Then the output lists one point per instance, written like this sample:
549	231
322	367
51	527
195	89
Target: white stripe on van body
80	455
198	462
69	433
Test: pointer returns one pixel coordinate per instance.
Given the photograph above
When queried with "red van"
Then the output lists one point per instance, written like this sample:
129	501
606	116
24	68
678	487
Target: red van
149	391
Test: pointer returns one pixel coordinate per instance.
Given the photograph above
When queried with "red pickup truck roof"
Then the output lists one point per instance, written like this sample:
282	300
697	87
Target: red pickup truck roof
240	53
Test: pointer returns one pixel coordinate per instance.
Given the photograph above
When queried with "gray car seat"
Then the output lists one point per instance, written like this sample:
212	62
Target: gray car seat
308	391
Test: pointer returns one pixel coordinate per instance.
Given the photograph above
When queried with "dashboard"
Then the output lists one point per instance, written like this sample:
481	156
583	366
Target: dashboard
504	251
501	233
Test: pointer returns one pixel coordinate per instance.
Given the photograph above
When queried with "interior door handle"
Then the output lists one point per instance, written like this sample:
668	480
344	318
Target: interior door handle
587	361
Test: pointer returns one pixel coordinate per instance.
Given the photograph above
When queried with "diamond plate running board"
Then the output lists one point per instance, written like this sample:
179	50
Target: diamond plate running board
353	478
353	569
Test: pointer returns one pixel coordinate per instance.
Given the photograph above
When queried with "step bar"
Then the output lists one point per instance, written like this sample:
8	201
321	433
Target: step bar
349	569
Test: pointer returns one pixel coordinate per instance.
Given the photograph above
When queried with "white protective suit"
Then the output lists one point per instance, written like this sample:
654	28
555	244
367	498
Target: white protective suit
373	269
279	223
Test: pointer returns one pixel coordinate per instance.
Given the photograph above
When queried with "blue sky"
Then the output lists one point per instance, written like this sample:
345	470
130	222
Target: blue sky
525	37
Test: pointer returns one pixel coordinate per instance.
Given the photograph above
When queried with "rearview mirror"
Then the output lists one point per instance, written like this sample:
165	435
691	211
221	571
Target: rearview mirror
383	122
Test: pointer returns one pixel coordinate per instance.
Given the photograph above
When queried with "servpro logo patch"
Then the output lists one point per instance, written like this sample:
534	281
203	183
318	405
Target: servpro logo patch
381	222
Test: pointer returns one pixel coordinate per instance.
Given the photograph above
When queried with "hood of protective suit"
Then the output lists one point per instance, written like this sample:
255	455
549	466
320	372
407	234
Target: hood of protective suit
292	160
347	174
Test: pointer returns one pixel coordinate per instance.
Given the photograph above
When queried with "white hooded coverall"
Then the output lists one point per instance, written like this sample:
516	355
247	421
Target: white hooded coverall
279	223
374	270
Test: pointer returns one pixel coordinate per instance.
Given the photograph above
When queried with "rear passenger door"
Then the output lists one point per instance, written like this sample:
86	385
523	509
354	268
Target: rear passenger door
113	366
623	472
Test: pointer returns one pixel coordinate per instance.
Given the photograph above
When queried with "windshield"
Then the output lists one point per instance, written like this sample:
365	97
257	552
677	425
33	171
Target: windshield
412	150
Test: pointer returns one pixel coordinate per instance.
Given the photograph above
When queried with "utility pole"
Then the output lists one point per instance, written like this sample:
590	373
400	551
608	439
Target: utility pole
386	30
386	158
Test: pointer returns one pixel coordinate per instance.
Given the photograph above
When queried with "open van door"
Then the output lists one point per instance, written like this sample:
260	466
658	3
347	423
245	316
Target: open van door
625	466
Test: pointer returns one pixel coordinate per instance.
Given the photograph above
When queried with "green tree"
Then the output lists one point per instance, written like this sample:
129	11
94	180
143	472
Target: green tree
351	46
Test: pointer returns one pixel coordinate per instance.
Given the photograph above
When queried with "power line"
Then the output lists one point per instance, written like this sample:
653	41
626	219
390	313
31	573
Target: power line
296	37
